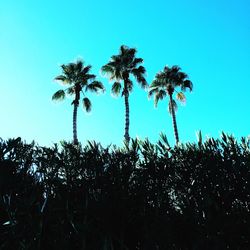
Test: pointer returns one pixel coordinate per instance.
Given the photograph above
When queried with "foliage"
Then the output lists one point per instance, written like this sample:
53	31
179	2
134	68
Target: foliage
165	84
121	66
77	78
119	69
140	196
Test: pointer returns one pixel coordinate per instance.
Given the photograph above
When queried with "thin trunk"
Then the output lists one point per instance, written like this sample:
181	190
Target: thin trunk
174	120
126	135
75	140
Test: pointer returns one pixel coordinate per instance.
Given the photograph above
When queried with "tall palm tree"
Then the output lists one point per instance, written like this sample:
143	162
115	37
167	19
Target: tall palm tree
165	83
78	80
119	69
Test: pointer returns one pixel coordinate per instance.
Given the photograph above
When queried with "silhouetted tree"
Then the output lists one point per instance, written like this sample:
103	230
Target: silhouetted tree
79	80
119	68
165	83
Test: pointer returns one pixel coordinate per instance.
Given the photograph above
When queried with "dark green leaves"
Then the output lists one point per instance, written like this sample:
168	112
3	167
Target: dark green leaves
166	81
138	73
63	79
95	87
187	84
80	80
59	95
159	95
86	104
125	63
108	69
67	196
71	90
116	88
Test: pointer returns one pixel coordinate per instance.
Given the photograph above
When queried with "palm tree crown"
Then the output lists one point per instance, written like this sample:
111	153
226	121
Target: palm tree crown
165	83
119	69
78	80
121	66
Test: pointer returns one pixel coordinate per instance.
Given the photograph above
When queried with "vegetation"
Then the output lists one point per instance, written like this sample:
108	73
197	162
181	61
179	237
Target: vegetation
119	68
165	83
140	196
78	79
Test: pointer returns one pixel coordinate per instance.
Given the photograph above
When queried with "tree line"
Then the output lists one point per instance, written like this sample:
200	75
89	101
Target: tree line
120	68
139	196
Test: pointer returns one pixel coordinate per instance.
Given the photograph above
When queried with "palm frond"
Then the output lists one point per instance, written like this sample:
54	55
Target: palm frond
63	79
164	139
68	71
115	59
117	74
181	97
138	73
78	75
59	95
107	69
175	69
86	104
95	87
116	88
152	91
86	69
70	90
157	83
187	84
166	69
78	66
65	68
122	65
83	79
142	82
71	67
170	109
173	75
87	77
162	78
181	76
127	52
137	61
159	95
123	49
131	52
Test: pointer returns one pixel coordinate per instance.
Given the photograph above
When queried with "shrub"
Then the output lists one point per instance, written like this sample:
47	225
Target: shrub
142	196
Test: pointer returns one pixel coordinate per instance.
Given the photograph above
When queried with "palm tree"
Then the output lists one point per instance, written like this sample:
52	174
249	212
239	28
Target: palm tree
78	80
165	83
119	69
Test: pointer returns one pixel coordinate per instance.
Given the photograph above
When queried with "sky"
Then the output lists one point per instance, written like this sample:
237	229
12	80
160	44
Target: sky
209	40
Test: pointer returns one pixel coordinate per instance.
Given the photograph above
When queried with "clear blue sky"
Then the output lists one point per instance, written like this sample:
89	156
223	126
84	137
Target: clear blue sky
209	40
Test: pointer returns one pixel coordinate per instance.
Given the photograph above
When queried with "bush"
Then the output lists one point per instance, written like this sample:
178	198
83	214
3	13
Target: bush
142	196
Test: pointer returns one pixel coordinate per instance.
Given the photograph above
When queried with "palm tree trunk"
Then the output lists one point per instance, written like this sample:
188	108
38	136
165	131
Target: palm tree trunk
174	120
75	140
126	135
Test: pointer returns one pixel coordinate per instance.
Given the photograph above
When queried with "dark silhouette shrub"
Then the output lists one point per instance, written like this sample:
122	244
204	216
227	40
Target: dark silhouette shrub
142	196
